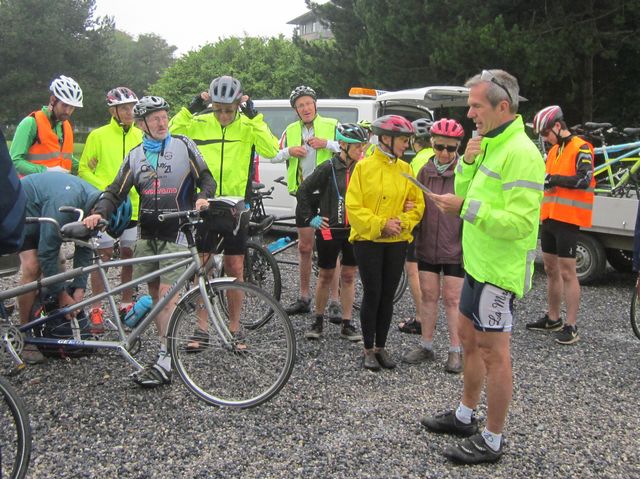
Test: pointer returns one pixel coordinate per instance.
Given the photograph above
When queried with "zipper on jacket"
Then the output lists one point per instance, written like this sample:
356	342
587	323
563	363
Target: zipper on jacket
224	130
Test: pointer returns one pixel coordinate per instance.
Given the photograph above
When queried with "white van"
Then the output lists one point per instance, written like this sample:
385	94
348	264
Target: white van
365	104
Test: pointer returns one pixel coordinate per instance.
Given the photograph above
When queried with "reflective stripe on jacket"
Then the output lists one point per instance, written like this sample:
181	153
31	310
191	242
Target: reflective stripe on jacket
377	192
502	192
108	146
324	128
46	149
228	151
569	205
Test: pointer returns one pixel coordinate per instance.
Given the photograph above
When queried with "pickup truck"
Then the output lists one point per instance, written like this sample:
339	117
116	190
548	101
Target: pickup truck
364	105
610	238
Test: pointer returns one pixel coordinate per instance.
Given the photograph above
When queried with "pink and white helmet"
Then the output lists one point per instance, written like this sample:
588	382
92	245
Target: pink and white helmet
448	128
120	96
546	118
392	125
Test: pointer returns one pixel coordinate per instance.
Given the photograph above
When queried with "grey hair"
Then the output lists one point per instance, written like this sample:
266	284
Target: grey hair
495	94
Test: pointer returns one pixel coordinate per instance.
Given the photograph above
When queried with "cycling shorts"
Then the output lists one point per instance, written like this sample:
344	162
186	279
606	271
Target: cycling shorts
207	241
446	269
488	306
329	250
559	238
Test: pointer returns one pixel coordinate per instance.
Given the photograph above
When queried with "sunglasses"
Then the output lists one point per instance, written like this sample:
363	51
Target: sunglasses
545	132
488	76
449	148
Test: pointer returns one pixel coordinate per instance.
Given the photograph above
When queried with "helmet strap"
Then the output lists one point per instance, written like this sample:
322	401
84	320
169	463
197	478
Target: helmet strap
388	153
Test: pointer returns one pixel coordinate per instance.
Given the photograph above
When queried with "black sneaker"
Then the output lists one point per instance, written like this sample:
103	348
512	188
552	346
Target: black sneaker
568	335
299	306
472	450
316	330
545	324
349	332
447	422
153	375
334	312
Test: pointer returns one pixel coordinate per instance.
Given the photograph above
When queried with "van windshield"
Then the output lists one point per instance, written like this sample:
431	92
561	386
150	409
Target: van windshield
278	118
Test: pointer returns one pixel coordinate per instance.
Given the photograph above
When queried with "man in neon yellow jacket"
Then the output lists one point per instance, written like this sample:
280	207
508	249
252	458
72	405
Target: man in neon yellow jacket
499	188
228	134
306	143
103	154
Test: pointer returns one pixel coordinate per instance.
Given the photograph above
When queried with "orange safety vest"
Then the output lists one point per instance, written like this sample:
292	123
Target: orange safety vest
570	205
46	147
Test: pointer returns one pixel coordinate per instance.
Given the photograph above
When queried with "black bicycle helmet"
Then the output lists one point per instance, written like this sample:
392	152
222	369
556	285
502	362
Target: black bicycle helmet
351	133
147	105
225	89
299	91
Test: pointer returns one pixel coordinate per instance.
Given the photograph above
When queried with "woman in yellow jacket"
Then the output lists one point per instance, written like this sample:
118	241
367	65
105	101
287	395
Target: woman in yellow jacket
383	207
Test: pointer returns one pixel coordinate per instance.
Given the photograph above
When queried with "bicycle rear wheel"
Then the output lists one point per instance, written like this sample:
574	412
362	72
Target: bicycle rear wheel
262	270
635	314
15	433
246	373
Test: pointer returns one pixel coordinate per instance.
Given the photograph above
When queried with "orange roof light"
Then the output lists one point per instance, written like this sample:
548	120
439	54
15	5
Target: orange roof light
360	92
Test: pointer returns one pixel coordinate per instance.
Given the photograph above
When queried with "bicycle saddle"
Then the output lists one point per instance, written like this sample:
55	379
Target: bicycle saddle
75	230
631	131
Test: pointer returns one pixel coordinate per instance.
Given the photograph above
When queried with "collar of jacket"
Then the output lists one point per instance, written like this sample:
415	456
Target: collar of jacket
510	129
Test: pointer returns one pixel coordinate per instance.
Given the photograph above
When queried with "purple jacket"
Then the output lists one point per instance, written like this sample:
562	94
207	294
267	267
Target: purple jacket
438	240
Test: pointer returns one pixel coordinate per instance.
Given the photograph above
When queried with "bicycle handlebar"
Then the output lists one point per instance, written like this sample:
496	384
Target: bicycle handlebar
190	214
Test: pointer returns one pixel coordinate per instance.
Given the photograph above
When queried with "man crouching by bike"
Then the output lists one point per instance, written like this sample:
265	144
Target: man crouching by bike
327	214
167	171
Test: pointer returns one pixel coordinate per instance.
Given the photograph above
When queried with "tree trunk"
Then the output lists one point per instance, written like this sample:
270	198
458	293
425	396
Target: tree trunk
587	89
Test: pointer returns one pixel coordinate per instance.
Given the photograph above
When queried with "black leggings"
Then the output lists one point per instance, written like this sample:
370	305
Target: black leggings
380	266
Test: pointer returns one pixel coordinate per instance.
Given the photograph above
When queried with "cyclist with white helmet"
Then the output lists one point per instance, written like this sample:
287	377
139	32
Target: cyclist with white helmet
170	174
327	215
438	248
567	205
44	139
383	209
305	144
104	151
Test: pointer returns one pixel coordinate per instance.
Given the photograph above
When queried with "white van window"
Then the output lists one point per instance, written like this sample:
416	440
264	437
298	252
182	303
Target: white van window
279	118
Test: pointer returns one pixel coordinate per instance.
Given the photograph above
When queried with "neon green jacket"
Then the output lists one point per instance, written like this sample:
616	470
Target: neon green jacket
324	128
108	146
421	159
228	151
377	192
502	192
25	135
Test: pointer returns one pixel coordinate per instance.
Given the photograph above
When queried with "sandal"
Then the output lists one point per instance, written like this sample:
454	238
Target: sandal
239	346
198	342
410	327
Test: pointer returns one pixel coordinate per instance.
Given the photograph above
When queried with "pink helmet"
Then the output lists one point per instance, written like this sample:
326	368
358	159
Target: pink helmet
392	125
448	128
121	96
546	118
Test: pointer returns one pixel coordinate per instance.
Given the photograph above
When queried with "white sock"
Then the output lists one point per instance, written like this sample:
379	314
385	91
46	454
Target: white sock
464	414
428	345
164	358
455	349
492	440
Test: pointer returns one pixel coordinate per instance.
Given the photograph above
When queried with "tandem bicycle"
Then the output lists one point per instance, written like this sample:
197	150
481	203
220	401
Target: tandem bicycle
219	373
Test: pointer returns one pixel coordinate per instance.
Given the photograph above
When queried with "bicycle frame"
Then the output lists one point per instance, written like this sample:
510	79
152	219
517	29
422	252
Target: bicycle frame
190	258
633	149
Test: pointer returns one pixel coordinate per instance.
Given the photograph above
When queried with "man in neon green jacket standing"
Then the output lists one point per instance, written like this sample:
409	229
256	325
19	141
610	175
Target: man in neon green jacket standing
104	151
499	188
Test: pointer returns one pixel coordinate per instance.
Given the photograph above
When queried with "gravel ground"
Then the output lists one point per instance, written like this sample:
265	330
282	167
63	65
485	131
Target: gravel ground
571	414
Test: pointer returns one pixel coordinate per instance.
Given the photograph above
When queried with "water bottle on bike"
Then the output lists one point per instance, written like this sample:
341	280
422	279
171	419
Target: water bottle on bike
278	244
138	311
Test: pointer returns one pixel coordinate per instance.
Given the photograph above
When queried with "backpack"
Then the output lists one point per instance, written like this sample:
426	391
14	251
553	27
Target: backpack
61	328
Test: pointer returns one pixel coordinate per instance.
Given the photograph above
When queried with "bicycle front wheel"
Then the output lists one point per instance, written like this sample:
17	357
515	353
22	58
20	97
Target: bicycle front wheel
15	433
245	371
635	314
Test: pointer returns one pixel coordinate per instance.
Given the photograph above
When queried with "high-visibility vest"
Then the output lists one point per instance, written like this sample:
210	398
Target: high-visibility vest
324	128
569	205
46	149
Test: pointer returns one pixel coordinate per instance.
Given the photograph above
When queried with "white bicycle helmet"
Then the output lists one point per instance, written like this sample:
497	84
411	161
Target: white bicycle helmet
225	89
121	96
67	90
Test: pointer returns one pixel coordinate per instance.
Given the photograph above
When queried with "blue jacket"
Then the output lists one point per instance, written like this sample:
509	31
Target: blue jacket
12	203
46	193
